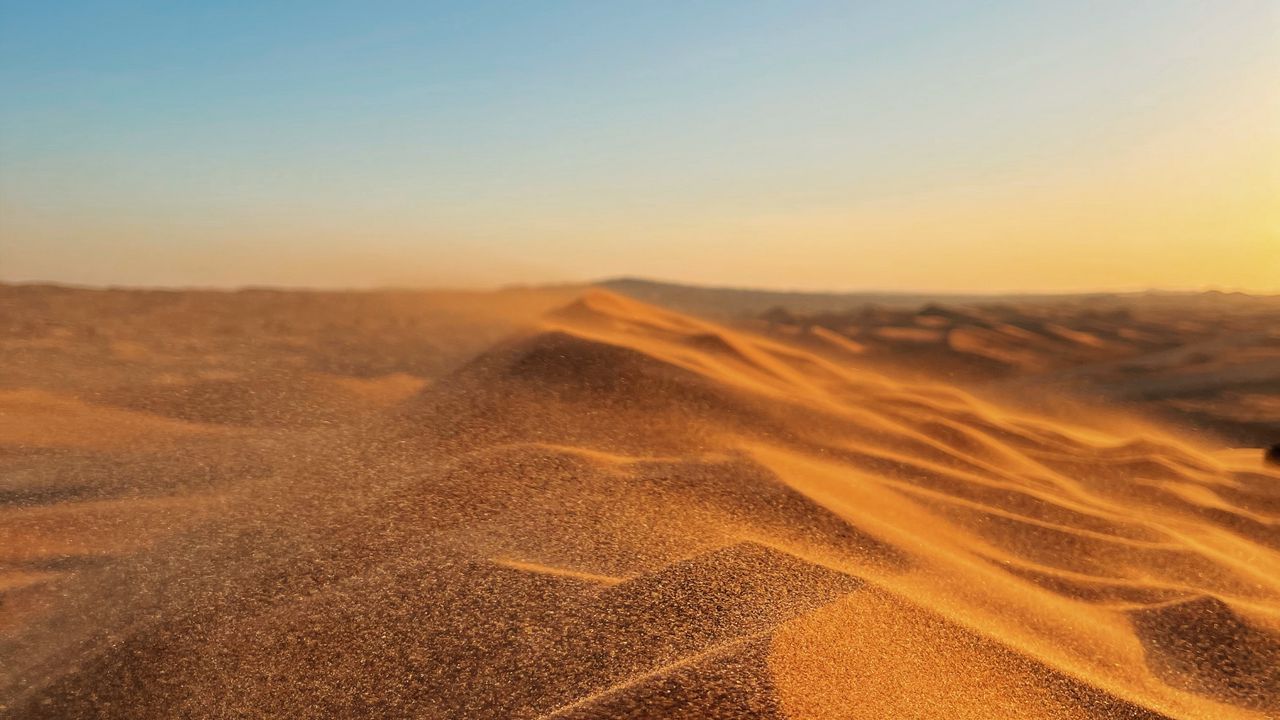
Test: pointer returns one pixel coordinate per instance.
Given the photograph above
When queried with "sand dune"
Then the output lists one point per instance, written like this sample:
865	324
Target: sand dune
1209	362
623	511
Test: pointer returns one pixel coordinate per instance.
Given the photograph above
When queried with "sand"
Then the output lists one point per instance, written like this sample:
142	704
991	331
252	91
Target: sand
591	507
1207	362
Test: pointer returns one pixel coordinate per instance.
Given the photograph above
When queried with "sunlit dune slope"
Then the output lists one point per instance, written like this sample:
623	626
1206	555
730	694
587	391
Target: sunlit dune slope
626	512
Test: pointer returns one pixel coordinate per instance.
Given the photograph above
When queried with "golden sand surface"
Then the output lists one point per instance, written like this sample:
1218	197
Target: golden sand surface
571	504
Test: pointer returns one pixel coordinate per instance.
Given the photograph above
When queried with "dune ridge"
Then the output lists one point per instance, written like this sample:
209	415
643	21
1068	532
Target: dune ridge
628	512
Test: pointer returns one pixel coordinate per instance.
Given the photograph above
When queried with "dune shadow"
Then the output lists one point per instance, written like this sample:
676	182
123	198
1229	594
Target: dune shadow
1204	646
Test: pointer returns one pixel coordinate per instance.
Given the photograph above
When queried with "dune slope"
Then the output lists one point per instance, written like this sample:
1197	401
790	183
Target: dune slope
627	512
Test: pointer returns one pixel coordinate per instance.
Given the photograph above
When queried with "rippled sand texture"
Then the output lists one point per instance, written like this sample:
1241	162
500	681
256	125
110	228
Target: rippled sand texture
627	512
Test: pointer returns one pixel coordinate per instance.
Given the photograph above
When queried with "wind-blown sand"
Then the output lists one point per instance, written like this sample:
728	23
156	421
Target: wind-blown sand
621	511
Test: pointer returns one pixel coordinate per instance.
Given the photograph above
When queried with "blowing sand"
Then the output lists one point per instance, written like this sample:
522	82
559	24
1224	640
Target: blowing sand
615	510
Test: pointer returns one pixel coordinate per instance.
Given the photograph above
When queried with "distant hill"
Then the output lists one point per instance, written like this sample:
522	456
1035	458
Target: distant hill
724	302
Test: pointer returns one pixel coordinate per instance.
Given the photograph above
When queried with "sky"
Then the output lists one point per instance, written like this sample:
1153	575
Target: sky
904	145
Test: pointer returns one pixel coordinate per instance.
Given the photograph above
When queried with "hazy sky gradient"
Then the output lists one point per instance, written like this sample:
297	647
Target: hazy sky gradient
893	145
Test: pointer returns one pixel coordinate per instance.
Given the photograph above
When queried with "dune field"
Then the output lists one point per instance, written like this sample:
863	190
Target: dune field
570	503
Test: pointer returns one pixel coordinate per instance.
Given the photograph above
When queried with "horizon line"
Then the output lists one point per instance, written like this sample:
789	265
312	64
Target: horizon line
552	285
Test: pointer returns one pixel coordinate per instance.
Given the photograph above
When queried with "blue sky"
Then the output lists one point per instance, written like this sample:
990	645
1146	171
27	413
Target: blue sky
889	144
